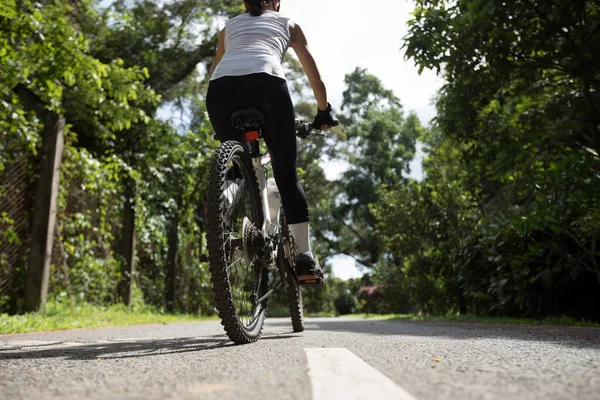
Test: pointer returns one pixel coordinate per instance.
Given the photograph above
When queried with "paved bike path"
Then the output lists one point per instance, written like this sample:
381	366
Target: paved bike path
418	360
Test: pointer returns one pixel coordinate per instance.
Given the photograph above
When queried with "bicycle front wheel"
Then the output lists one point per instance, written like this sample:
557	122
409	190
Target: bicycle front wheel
238	282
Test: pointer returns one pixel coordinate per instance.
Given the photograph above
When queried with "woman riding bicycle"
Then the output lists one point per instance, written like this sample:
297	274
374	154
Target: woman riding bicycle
249	73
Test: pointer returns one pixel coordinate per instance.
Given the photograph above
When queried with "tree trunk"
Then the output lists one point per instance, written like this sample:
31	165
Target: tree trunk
587	72
46	196
128	243
462	304
172	242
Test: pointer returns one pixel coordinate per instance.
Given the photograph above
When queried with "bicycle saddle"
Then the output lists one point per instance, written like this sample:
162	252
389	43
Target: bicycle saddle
247	118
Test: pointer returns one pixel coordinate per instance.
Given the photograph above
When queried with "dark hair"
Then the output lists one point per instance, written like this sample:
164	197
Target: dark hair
257	7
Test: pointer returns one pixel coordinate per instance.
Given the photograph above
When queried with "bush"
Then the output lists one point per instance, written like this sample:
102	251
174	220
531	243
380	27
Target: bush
345	304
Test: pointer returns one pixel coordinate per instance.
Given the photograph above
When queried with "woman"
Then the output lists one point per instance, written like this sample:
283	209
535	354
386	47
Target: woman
248	72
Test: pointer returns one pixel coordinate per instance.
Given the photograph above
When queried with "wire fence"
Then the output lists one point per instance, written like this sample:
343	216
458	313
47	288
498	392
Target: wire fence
15	213
85	257
86	262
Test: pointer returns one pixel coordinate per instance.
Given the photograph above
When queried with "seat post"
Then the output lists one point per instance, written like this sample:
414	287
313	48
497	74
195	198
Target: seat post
250	120
253	143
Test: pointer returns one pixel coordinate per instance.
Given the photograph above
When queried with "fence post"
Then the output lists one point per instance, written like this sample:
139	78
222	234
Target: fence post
128	242
46	195
172	243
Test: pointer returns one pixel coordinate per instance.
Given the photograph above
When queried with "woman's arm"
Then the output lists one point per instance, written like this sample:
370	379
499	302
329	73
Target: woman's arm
220	50
300	46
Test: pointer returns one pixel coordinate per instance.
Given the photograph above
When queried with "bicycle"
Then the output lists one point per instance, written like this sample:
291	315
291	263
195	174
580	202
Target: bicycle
247	235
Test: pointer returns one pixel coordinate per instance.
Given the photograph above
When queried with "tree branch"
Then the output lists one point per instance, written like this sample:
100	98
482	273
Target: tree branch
203	51
358	235
181	29
362	262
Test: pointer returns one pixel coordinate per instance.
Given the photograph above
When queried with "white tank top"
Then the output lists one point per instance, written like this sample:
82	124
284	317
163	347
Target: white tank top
254	45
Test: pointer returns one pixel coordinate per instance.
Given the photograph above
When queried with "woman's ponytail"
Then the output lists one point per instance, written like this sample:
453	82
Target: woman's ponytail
257	7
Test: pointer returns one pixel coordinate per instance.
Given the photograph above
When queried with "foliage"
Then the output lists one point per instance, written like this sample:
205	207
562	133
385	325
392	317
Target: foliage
502	222
542	258
42	49
345	304
87	262
435	216
380	144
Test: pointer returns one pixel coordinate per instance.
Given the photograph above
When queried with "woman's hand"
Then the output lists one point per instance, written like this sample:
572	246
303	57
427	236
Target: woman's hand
324	119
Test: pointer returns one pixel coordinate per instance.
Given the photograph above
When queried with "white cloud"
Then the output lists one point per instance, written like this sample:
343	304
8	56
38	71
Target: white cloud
344	267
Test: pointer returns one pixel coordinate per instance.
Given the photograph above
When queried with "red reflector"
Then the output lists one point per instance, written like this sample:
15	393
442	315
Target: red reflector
252	135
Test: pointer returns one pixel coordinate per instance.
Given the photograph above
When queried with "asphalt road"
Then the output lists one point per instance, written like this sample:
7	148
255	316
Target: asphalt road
333	358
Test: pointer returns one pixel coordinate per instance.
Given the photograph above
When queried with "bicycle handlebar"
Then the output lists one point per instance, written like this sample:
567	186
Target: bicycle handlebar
305	130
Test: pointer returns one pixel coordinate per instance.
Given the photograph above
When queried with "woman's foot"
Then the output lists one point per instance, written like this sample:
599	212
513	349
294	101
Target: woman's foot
308	270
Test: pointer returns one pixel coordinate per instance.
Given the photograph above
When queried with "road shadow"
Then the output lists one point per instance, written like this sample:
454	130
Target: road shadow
117	349
576	337
124	348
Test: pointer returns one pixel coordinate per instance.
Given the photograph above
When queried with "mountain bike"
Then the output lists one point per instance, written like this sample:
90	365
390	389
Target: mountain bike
251	250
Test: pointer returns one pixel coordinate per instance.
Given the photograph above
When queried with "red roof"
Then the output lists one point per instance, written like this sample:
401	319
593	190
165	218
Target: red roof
369	290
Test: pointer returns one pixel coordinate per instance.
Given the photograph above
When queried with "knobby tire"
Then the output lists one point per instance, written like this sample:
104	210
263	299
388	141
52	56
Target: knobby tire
217	220
293	290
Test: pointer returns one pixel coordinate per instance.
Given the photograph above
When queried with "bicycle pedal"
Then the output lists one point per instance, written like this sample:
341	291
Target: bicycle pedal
310	281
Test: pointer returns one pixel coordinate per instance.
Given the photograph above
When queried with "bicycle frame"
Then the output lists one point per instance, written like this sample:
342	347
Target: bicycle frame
260	164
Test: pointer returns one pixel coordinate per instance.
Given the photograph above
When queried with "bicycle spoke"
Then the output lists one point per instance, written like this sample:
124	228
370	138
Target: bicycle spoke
235	262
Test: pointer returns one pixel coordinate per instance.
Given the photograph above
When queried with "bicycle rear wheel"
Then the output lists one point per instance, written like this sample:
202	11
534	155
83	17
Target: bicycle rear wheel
238	282
287	255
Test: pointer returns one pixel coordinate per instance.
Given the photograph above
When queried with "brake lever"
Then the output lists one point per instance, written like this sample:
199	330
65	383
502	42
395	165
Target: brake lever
305	130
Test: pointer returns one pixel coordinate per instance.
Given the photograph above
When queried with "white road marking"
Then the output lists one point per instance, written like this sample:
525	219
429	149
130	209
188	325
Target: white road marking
26	343
39	344
340	374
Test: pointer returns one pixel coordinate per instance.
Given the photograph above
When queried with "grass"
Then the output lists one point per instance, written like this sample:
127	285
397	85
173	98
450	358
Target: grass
60	316
553	321
319	315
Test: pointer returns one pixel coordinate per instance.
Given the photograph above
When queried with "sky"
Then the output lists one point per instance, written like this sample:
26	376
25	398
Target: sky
344	34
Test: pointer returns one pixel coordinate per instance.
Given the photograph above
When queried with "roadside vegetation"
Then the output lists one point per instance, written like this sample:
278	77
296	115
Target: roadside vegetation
59	316
504	224
550	321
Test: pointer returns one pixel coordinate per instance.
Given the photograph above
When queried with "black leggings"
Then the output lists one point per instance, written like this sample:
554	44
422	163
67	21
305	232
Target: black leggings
270	94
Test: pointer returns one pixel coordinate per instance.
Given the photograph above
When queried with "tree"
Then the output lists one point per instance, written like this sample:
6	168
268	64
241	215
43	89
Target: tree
380	145
425	224
176	41
44	57
520	103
